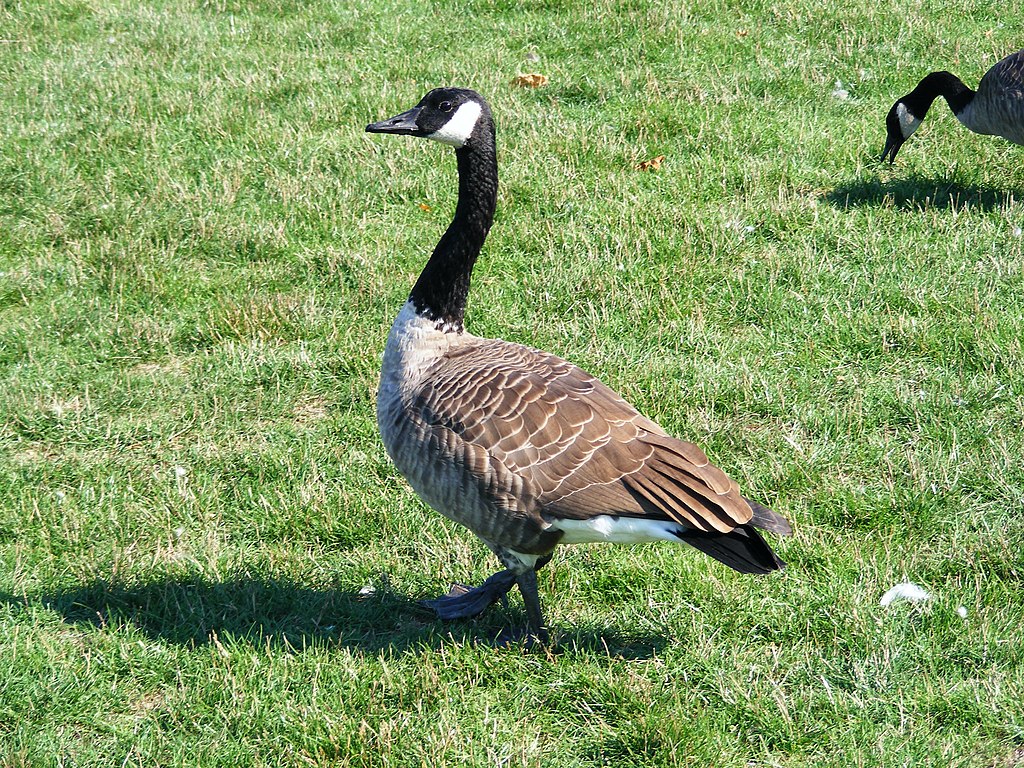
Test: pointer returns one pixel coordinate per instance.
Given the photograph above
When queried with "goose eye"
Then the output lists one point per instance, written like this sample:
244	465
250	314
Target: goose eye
445	106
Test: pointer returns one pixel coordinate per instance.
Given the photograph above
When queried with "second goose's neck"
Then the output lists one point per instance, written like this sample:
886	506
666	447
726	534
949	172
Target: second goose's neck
440	293
944	84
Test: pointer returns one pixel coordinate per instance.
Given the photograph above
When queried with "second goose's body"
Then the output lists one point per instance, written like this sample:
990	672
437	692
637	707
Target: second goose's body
995	109
525	449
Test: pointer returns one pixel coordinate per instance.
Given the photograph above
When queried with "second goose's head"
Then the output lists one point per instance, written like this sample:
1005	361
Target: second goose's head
456	116
900	124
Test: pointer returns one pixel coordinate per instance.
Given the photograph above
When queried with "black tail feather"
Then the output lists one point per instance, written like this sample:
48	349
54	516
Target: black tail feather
742	549
769	521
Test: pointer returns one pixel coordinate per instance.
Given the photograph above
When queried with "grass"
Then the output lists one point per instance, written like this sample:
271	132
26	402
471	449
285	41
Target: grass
205	555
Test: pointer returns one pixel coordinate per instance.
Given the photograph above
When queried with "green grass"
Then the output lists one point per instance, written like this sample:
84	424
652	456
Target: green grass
201	253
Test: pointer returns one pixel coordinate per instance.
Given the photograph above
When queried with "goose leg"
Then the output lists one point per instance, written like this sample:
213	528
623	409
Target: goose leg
527	582
464	602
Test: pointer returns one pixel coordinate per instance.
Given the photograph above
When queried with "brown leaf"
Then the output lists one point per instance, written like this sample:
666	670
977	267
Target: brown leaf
424	207
654	164
532	80
742	32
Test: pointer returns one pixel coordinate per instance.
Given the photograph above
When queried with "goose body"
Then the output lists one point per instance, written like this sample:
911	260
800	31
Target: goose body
995	109
525	449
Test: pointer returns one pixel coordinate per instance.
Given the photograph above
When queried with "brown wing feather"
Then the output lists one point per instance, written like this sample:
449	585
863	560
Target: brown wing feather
586	450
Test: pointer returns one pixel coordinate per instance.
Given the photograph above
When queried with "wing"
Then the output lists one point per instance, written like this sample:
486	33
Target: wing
1006	75
585	450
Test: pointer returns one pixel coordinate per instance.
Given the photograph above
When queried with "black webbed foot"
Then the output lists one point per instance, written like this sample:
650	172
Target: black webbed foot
464	602
528	639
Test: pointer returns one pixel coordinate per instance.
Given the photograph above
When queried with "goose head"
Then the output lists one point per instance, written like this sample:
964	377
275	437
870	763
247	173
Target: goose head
455	116
900	124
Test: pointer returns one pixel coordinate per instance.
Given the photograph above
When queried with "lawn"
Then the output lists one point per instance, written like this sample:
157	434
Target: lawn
206	557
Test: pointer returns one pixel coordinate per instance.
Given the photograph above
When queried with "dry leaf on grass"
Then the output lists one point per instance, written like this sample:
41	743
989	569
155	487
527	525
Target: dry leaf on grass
424	207
532	80
654	164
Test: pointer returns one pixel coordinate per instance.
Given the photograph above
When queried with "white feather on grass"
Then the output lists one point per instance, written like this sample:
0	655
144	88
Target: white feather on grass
906	591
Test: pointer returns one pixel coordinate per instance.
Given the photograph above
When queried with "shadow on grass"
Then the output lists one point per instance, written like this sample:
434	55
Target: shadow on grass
279	614
917	194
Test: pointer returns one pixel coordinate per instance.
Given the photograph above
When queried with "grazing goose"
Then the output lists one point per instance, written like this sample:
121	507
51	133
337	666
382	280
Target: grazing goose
995	109
523	448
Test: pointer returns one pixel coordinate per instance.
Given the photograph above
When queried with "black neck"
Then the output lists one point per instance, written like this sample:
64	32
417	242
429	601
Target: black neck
440	293
944	84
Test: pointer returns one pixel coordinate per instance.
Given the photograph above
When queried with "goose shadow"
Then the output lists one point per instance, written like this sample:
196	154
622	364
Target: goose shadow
282	615
918	194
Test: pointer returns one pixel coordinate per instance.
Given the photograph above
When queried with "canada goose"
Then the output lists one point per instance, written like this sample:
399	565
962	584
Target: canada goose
995	109
523	448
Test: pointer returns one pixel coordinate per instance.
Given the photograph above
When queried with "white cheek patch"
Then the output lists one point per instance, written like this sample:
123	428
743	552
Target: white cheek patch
908	123
460	127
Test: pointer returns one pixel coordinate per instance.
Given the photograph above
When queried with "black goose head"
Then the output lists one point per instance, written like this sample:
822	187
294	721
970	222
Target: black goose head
907	113
455	116
900	124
